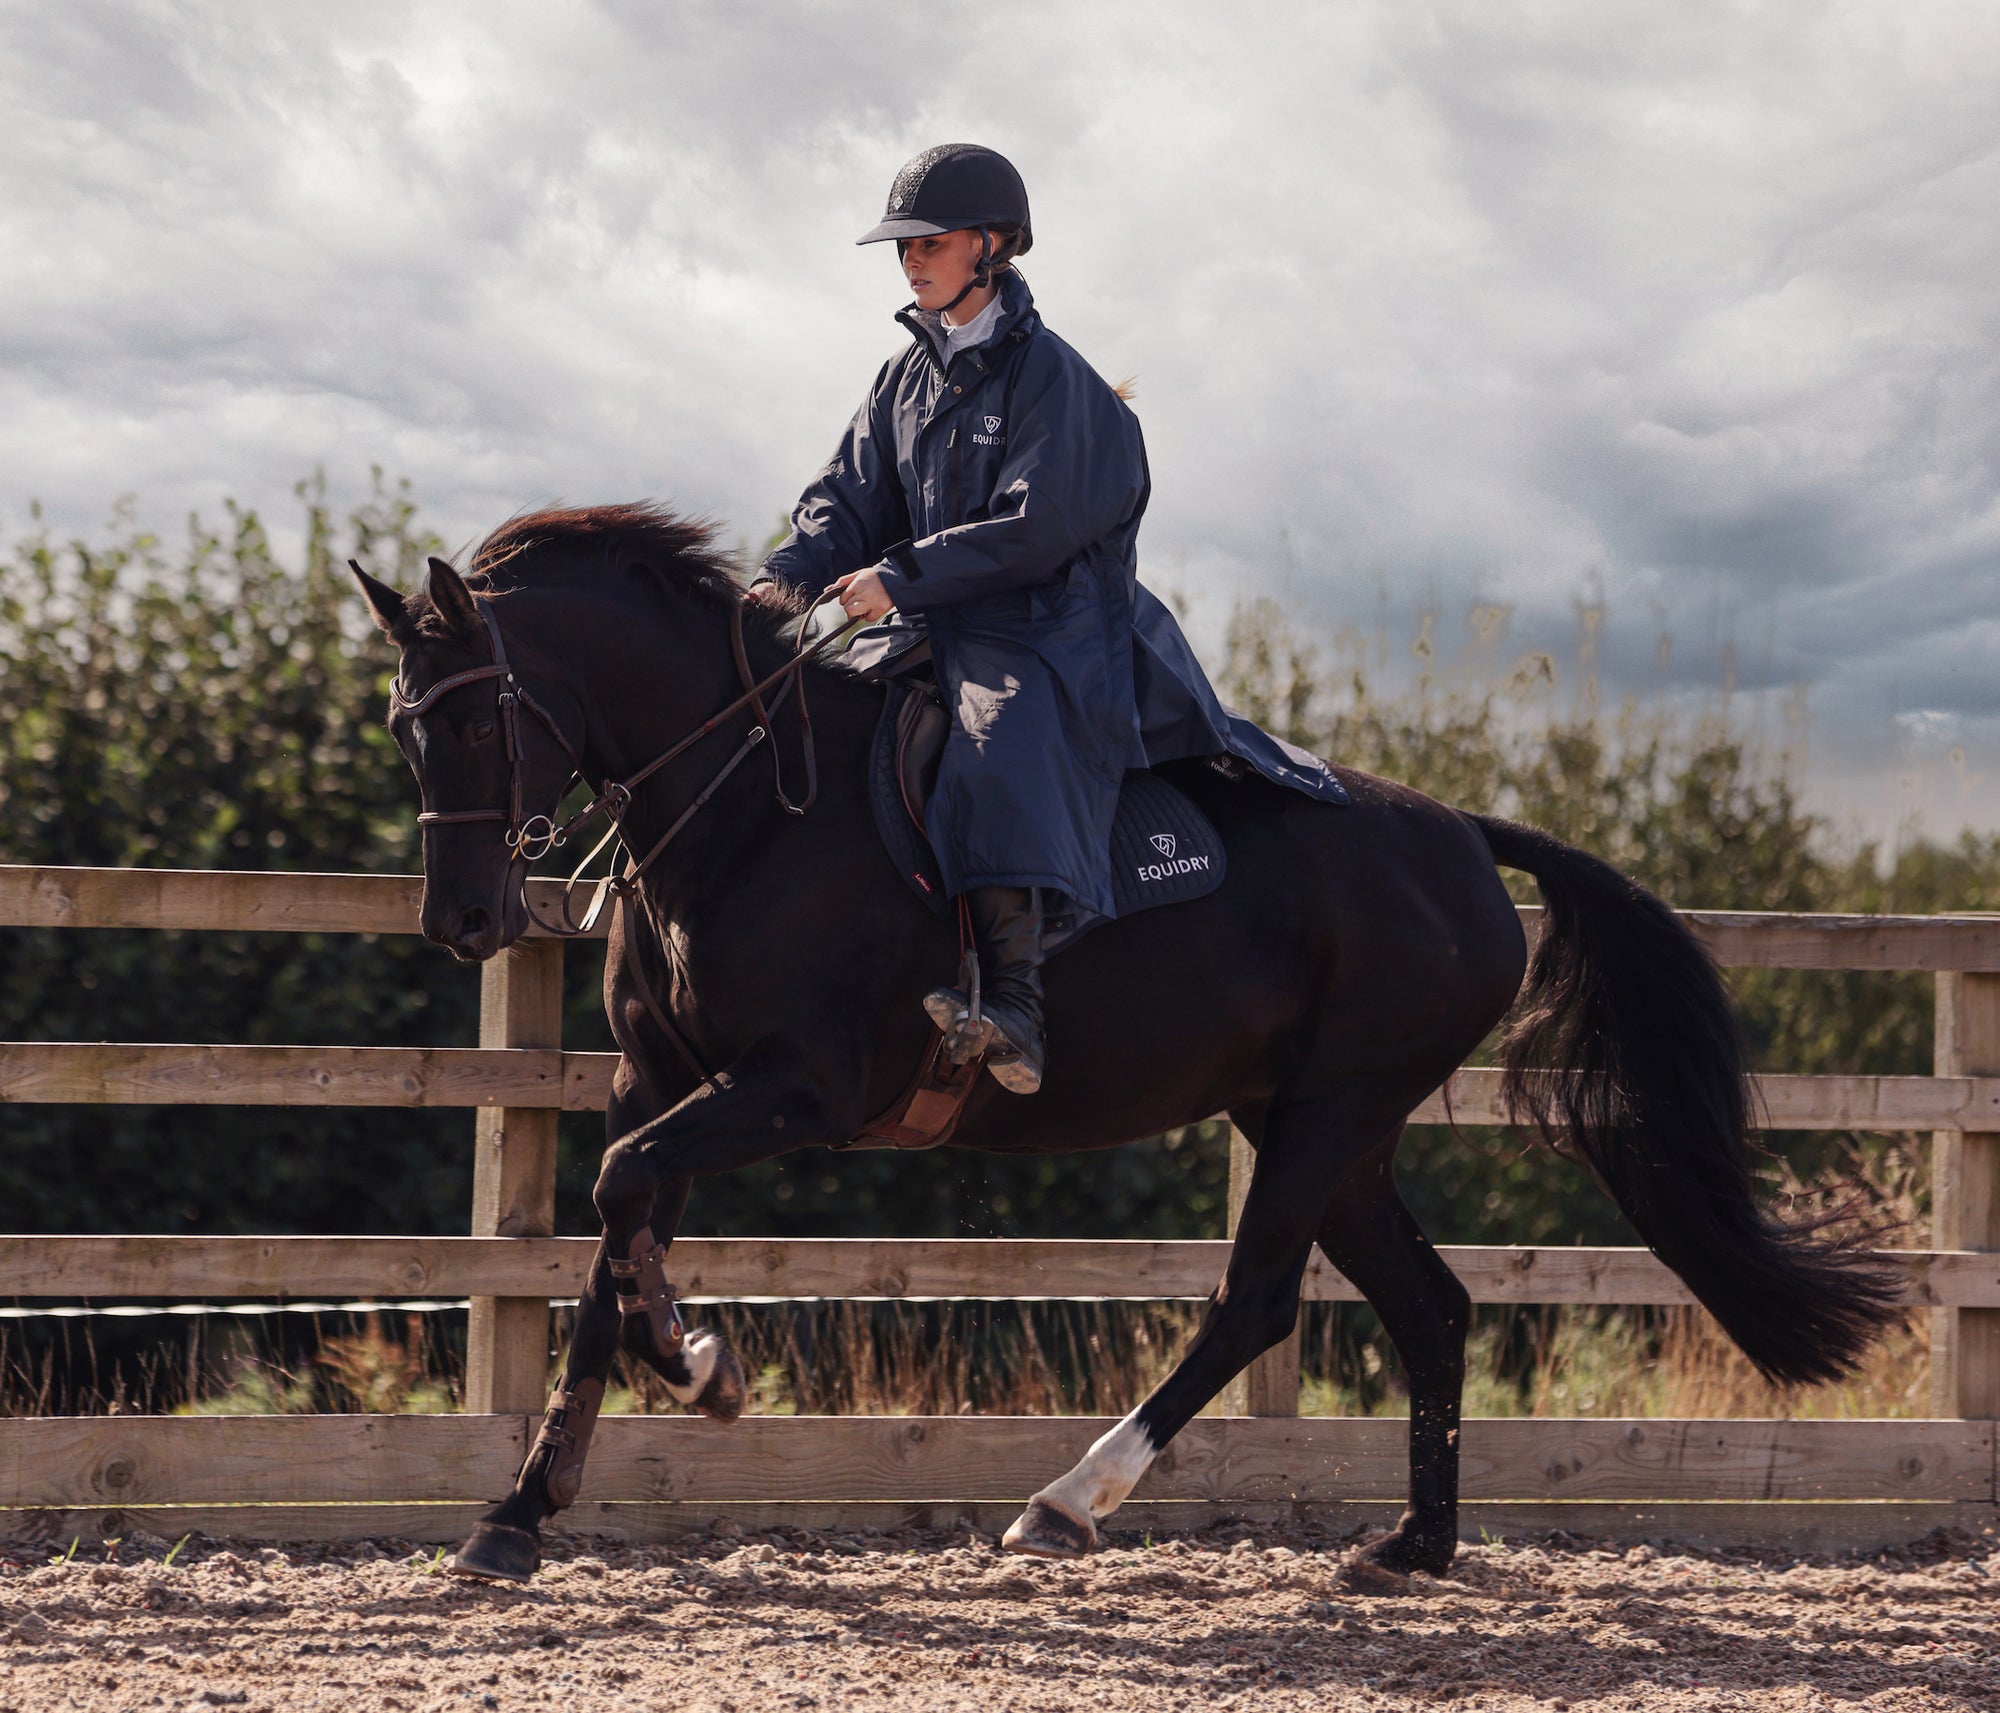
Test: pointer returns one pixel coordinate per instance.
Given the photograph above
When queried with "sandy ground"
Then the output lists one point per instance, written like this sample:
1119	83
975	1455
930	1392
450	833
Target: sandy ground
917	1622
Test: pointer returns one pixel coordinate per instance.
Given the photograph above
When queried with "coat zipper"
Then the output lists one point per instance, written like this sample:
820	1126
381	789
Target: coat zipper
951	447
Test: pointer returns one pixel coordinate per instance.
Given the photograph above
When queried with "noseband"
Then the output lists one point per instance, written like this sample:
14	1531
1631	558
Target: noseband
525	838
530	837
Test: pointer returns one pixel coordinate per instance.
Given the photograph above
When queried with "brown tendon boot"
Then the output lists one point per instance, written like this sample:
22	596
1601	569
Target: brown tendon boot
566	1428
651	1296
1007	924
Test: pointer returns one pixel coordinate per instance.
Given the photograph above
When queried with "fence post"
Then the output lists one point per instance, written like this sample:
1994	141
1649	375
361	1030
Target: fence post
1965	1200
1270	1385
514	1182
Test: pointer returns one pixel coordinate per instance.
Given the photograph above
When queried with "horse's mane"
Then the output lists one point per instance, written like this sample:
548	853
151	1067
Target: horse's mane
681	551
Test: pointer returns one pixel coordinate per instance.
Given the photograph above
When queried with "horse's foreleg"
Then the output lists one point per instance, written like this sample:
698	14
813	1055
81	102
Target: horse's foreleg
1254	1308
1370	1236
768	1104
701	1372
506	1542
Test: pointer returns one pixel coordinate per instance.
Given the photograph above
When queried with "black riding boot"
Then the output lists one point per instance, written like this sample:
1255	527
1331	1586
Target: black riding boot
1007	924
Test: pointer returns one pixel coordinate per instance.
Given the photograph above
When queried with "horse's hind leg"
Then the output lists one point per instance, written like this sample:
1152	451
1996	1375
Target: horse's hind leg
1369	1235
1255	1307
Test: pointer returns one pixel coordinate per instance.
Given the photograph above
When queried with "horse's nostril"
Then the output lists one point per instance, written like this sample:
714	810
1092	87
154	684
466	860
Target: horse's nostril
472	924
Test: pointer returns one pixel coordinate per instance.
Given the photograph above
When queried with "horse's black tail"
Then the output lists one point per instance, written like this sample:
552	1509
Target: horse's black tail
1624	1049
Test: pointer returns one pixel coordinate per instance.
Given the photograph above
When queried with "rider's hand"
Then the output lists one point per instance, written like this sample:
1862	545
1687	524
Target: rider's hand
862	595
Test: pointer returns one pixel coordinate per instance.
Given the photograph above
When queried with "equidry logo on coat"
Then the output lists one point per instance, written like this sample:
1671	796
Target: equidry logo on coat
992	436
1165	844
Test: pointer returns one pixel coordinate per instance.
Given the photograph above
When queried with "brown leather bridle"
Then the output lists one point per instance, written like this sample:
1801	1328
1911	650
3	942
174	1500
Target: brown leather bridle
530	837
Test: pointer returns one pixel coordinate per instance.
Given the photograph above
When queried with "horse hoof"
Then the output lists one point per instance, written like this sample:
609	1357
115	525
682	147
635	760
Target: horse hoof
497	1552
1046	1532
1404	1550
1363	1575
727	1391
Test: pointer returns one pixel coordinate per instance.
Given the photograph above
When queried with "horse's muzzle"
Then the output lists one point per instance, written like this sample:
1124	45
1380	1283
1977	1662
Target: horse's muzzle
471	934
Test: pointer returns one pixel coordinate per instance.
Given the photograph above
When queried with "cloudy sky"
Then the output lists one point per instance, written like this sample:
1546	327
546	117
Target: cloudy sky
1502	304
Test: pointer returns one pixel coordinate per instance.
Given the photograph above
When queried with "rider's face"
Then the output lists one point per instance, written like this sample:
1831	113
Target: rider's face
939	268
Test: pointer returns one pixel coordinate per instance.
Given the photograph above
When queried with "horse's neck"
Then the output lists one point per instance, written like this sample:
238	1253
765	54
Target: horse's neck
649	683
654	680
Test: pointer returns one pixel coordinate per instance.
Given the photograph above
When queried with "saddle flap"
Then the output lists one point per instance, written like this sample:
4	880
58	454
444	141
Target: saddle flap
922	725
1164	850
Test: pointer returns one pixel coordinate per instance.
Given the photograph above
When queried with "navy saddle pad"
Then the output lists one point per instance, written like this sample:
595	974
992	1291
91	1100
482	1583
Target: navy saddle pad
1163	849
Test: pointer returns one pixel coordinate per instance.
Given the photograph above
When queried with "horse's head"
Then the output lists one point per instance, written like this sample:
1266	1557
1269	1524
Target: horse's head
489	760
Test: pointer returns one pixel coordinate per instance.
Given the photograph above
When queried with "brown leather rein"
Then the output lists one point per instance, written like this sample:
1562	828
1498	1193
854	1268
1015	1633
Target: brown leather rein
530	837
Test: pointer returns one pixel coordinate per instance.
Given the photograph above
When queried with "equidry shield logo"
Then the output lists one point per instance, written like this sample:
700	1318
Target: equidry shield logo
992	436
992	425
1169	866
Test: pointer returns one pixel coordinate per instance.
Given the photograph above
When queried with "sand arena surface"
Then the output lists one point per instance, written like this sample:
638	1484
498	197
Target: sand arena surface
913	1622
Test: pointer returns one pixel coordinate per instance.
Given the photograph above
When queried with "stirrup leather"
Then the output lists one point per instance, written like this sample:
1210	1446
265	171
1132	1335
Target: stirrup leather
653	1295
565	1434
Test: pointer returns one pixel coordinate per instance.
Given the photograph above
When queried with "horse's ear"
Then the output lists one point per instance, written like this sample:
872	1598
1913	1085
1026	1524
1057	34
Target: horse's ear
388	607
452	599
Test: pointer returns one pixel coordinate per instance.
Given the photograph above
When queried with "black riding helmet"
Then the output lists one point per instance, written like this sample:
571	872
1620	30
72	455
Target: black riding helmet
952	188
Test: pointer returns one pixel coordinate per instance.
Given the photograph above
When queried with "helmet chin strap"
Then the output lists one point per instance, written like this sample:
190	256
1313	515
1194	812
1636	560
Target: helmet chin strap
982	273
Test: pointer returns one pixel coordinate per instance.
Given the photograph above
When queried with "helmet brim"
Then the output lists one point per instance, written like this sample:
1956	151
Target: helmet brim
907	229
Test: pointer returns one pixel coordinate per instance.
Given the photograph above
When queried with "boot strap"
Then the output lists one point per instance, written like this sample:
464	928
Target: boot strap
565	1435
654	1297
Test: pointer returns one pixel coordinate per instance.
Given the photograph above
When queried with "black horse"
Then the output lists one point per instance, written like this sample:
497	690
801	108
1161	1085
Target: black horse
1353	959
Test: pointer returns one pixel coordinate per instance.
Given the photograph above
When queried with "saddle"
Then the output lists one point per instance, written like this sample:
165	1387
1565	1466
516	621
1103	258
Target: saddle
1164	850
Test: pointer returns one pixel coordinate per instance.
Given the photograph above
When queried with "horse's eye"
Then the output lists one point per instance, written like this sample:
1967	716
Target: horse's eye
482	730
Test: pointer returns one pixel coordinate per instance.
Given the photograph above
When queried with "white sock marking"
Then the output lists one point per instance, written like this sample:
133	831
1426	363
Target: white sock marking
1109	1471
699	1355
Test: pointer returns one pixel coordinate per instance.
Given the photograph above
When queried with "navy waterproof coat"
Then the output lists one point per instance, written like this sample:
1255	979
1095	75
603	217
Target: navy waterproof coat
1000	499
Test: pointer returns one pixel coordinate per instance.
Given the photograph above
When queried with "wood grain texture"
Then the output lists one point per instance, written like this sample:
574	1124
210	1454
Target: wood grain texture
75	1462
61	1072
1965	1179
126	1269
1751	939
46	897
1229	1459
222	900
1785	1102
1771	939
211	1269
1793	1528
196	1075
514	1181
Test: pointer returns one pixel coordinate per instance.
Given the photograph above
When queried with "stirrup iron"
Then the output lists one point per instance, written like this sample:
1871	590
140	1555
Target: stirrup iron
968	1035
653	1295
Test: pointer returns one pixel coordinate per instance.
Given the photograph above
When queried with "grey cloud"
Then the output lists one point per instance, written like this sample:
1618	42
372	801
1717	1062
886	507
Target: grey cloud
1444	303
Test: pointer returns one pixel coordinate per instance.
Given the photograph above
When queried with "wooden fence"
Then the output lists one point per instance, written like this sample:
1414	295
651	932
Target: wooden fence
1812	1483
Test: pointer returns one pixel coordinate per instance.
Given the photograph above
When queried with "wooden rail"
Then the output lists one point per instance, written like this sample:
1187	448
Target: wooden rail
221	900
739	1269
1821	1481
526	1078
125	1460
284	903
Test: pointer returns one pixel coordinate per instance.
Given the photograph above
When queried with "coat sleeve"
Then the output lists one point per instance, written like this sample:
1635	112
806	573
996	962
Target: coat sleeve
1075	468
853	511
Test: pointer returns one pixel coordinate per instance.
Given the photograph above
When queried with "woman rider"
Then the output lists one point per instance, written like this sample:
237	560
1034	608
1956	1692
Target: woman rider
986	498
